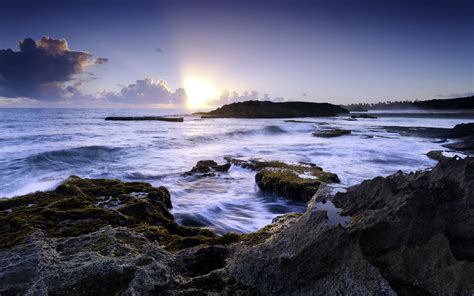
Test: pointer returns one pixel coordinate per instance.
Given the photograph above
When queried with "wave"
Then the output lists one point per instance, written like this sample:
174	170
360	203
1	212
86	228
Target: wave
141	176
267	130
74	156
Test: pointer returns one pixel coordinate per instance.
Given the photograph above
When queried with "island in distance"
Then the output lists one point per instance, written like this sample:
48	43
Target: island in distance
267	109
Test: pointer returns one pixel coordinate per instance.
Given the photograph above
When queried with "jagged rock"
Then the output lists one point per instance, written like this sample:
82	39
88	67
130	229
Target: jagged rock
437	155
267	109
81	206
410	234
331	133
206	168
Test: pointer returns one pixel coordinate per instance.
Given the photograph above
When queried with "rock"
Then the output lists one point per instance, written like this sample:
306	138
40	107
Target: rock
437	155
331	133
463	133
206	168
410	234
81	206
465	144
460	130
145	118
363	116
301	121
463	129
295	181
267	109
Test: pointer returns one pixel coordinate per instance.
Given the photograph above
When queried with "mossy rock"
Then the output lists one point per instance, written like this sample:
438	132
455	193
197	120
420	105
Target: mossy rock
292	183
82	206
296	181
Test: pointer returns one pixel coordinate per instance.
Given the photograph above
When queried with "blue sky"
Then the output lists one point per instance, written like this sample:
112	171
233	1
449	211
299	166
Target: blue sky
332	51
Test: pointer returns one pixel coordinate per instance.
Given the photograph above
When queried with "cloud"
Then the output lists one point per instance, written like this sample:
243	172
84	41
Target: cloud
41	68
101	61
456	95
227	97
148	91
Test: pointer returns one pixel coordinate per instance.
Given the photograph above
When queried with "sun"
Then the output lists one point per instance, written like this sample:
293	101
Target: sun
199	91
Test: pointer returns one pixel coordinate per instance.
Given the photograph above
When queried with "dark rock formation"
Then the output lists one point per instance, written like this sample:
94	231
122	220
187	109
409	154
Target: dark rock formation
409	234
81	206
331	133
437	155
206	168
363	116
465	144
295	181
458	131
463	133
465	103
141	118
267	109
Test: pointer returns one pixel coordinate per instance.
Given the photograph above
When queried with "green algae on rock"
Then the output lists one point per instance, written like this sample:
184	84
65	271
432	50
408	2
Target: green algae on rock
81	206
296	181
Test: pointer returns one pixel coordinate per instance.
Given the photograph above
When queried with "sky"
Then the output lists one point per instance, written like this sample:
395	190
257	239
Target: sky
206	53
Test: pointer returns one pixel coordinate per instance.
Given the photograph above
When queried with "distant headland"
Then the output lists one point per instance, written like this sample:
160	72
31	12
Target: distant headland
267	109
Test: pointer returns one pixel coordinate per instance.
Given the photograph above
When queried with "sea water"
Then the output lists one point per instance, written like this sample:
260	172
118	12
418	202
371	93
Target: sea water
39	148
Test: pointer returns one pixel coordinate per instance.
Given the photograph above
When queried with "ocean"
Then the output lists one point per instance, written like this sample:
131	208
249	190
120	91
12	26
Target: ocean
39	148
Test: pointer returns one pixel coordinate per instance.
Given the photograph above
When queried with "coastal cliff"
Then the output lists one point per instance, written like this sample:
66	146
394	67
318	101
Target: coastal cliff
408	234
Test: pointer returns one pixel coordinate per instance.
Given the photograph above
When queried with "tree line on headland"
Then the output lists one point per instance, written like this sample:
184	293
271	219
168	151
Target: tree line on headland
463	103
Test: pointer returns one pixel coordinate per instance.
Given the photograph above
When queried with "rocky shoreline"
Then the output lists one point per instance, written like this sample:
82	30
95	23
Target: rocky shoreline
408	234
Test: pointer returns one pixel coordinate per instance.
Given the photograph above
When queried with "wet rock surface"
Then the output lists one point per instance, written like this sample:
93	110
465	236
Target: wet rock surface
331	133
207	168
82	206
462	133
295	181
409	234
363	116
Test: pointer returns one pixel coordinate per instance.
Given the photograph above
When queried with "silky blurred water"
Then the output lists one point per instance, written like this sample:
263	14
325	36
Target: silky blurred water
39	148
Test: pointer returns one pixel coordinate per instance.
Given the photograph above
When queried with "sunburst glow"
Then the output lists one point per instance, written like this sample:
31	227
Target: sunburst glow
199	91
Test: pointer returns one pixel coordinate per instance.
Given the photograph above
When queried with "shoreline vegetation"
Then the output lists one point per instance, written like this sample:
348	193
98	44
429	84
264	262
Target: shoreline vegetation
463	103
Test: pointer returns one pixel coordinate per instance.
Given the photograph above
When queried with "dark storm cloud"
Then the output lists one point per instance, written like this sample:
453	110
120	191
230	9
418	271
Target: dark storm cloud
40	69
